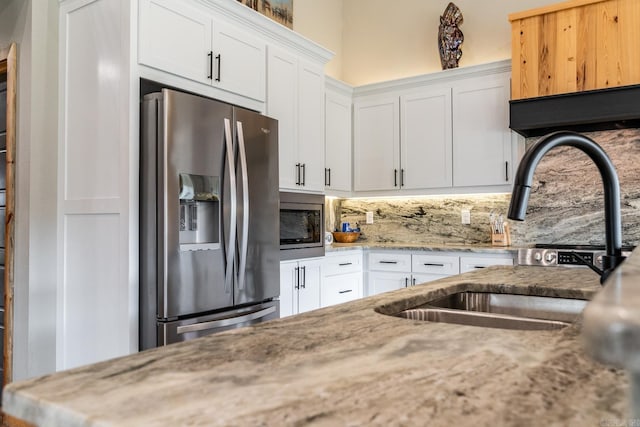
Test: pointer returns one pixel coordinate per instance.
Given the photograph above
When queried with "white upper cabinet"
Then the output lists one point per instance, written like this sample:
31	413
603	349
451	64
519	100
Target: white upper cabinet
446	132
311	125
181	39
238	61
376	144
425	139
282	105
481	135
337	134
295	97
175	38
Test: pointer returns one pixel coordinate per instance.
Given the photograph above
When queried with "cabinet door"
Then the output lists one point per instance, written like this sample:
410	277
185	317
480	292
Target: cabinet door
337	137
175	38
425	139
240	66
309	289
311	125
481	135
282	104
477	262
288	291
376	144
341	288
379	282
418	279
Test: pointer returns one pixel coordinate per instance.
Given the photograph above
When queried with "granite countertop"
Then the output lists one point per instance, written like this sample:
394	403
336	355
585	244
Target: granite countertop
435	247
350	365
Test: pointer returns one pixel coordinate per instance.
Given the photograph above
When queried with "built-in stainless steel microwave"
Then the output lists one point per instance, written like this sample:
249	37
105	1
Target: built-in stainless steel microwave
301	225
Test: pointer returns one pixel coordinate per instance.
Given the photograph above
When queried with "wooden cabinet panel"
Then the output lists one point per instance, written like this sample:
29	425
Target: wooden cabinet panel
575	46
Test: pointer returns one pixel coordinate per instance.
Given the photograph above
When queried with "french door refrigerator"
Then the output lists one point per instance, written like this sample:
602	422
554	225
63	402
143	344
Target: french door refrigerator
209	218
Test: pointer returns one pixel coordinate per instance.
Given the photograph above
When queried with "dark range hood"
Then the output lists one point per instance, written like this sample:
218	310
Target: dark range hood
594	110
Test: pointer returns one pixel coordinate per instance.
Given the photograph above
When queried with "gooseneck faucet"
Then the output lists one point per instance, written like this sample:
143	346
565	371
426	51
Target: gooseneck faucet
612	216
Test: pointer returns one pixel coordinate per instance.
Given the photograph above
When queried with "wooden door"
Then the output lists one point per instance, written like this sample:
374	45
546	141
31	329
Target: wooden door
8	75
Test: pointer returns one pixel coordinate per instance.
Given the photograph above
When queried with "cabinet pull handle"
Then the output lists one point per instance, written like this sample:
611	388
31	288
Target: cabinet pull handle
326	181
345	291
297	285
219	61
413	281
297	173
210	56
433	264
406	282
506	171
329	169
304	277
304	174
479	266
401	177
388	262
395	177
342	264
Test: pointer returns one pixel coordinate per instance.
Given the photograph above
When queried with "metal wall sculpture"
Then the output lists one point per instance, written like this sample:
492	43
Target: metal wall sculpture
450	37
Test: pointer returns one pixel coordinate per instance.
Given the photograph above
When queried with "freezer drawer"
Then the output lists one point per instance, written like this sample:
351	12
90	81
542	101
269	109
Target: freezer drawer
187	329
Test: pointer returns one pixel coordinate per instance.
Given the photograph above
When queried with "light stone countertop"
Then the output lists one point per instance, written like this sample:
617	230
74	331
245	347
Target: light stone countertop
351	365
435	247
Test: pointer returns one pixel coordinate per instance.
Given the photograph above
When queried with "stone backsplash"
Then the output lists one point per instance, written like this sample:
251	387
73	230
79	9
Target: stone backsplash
566	204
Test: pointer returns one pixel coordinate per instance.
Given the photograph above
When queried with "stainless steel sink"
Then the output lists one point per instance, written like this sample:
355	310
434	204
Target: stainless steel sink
505	311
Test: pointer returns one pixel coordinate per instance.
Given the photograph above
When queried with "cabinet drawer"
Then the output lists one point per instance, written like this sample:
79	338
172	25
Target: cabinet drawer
342	263
339	289
389	261
475	263
435	264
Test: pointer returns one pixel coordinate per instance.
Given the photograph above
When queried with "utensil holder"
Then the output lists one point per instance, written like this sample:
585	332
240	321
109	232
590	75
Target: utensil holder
501	239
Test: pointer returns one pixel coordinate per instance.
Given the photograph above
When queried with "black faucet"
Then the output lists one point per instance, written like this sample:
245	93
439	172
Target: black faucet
612	217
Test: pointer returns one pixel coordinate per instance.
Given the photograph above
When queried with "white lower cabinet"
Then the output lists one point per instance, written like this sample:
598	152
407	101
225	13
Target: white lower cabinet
342	277
391	270
299	286
475	262
388	271
382	281
308	284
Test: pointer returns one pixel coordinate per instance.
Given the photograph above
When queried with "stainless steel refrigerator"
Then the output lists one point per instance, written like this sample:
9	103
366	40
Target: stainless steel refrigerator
209	218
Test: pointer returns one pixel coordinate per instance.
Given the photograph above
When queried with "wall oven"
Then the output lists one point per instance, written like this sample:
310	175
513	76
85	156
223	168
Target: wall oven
301	225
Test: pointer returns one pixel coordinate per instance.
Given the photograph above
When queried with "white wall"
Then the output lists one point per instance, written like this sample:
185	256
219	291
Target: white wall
322	22
33	25
384	40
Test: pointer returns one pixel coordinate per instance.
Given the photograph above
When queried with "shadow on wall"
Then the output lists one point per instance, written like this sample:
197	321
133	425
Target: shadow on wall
566	204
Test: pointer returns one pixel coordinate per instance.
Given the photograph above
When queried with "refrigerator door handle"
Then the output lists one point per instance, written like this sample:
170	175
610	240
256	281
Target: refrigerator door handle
228	321
244	239
231	246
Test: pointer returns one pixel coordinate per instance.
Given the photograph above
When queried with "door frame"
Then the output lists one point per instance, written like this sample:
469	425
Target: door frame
9	65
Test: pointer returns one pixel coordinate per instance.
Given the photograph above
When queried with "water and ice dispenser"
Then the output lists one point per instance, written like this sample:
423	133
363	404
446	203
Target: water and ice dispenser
200	214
